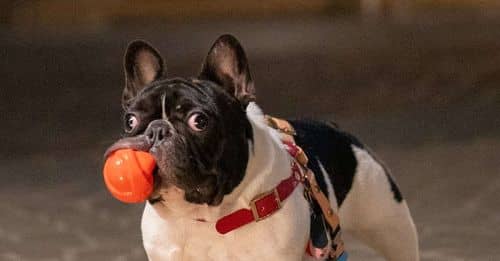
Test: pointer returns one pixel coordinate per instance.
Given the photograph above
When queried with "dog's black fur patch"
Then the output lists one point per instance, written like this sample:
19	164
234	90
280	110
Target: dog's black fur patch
398	196
394	188
327	144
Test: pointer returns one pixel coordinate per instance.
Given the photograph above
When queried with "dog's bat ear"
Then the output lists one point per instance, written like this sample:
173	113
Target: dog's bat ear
226	64
143	64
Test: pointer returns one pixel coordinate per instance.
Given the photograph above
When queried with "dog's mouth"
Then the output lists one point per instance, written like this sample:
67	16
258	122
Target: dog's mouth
139	142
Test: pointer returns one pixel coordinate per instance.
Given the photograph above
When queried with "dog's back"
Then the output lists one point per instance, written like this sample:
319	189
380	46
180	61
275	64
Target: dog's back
368	200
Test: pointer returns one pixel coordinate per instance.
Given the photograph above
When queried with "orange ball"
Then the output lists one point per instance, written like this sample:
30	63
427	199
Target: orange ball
128	175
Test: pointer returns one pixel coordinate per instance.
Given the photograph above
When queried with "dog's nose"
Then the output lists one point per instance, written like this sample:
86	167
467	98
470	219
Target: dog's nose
157	132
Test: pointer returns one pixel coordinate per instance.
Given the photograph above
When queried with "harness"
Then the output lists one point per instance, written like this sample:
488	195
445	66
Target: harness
326	240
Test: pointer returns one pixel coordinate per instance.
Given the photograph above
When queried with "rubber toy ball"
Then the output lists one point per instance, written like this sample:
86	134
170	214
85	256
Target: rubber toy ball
128	175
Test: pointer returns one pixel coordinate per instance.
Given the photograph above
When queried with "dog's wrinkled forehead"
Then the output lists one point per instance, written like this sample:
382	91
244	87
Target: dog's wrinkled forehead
179	93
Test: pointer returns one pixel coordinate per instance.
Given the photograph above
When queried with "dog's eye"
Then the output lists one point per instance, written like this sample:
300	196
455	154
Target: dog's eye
131	122
198	121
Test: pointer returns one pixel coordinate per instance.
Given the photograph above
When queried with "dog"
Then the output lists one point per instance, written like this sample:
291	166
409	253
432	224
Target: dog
215	153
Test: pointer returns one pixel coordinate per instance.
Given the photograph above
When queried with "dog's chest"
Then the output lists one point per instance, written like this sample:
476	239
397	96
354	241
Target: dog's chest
281	236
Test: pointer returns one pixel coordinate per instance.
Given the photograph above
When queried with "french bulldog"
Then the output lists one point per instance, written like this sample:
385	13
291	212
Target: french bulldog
214	153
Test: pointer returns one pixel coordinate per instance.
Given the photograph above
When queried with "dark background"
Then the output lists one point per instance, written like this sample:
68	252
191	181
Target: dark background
418	82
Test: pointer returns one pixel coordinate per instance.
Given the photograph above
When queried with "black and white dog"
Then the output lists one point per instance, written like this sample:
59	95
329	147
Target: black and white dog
215	153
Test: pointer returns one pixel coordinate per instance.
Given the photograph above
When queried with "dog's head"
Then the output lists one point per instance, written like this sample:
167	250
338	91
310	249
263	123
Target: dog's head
196	128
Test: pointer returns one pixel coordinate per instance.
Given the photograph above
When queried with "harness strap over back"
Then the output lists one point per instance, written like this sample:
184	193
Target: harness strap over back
312	189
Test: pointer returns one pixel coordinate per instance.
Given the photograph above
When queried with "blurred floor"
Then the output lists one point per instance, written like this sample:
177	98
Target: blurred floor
422	94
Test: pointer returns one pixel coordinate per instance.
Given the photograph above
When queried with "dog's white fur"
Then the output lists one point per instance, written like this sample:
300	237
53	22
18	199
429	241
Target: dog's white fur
170	230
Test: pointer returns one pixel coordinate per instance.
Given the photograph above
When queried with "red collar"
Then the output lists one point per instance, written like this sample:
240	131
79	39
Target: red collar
265	204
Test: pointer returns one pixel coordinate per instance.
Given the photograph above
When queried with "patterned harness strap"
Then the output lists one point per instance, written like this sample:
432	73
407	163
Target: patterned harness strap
312	189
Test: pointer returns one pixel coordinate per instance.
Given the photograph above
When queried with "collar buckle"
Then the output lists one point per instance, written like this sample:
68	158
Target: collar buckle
261	211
